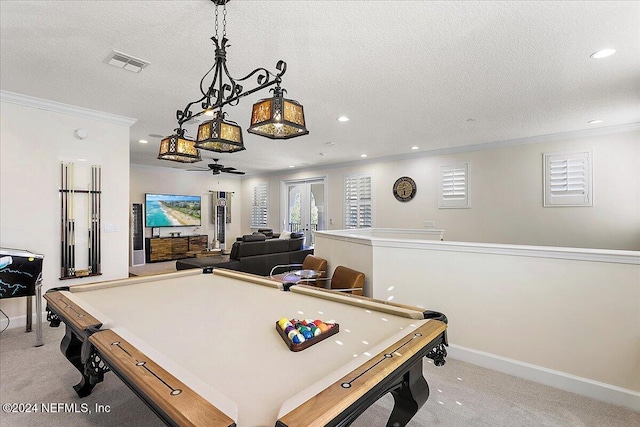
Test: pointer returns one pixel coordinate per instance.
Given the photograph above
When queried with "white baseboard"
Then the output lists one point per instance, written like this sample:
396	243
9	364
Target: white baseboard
21	321
561	380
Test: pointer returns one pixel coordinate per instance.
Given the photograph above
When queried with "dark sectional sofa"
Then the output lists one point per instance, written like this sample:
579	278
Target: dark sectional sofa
254	253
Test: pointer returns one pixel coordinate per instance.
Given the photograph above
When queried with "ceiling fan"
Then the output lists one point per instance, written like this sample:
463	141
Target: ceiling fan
216	168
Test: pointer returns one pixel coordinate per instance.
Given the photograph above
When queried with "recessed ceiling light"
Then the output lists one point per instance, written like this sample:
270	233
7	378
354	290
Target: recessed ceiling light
291	166
143	141
603	53
363	155
415	147
595	122
82	160
343	119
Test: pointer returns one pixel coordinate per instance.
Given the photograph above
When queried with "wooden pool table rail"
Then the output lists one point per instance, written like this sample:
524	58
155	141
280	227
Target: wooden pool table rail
74	315
397	369
167	396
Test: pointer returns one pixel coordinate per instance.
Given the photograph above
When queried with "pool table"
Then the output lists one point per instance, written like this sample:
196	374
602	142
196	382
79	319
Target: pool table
203	349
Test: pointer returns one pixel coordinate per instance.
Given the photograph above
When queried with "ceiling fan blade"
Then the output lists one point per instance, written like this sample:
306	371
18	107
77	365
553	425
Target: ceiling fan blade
227	169
198	170
235	172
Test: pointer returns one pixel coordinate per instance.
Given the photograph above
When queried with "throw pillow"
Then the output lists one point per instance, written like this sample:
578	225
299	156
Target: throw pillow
285	235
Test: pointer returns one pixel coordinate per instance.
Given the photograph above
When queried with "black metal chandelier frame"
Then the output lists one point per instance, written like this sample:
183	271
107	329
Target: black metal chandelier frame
274	118
218	93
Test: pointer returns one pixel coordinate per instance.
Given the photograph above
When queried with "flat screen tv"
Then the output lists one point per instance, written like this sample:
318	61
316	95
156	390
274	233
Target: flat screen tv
171	210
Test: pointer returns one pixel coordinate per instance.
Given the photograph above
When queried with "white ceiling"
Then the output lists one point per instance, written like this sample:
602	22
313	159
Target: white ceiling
406	72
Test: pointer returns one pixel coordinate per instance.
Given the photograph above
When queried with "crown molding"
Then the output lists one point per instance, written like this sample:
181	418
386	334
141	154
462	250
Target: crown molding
58	107
608	130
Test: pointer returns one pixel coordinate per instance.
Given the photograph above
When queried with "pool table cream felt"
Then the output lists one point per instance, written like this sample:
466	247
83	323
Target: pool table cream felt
190	334
196	405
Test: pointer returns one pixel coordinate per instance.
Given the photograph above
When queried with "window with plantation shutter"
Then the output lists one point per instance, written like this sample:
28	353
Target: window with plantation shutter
454	186
357	201
567	179
260	206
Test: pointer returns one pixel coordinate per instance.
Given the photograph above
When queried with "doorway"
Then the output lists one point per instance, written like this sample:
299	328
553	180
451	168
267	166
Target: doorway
305	207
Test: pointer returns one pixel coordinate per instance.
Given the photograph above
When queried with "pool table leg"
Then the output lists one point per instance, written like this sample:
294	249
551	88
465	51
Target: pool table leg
71	347
83	357
409	397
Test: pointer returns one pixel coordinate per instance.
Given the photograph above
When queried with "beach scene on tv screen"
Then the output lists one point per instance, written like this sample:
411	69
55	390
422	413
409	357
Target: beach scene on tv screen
163	210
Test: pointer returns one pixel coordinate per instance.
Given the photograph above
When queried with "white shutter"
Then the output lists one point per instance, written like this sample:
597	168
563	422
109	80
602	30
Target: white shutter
567	179
357	201
260	206
454	186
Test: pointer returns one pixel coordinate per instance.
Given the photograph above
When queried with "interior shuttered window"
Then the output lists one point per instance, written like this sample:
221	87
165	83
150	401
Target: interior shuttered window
260	206
357	201
454	186
567	179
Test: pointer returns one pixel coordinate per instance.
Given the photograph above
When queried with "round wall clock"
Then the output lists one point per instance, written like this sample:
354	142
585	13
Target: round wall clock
404	189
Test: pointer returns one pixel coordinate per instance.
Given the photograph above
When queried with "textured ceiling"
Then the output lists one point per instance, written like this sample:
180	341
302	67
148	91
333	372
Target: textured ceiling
407	73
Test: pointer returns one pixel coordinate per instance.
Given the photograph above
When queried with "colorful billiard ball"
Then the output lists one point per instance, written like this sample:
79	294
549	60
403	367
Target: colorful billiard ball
298	339
307	334
289	329
282	322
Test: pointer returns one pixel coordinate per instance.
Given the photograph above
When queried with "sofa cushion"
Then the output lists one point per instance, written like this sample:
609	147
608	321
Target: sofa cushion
276	245
251	249
235	250
255	237
295	244
268	232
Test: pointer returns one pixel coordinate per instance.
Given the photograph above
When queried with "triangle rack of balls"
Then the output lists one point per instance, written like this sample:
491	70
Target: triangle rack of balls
301	334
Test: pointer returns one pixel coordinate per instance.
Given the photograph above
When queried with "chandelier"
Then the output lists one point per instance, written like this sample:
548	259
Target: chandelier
275	117
177	148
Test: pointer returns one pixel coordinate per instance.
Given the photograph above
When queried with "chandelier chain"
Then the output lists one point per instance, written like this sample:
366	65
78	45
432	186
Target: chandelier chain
216	20
224	20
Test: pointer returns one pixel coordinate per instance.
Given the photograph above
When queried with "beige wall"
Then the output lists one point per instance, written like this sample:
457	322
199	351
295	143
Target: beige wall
33	142
177	181
506	195
571	312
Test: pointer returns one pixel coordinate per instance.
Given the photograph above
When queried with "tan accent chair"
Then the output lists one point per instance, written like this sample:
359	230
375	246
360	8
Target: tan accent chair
310	262
344	279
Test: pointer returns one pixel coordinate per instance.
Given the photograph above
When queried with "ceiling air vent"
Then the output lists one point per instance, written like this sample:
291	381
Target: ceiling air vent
128	62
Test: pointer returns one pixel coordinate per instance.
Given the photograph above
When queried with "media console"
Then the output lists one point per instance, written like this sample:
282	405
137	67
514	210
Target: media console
170	248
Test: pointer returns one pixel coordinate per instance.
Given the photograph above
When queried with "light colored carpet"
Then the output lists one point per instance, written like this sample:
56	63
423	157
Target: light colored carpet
153	268
461	395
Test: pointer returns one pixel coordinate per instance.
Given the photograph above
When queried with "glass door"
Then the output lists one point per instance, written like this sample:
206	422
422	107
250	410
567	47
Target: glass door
305	207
